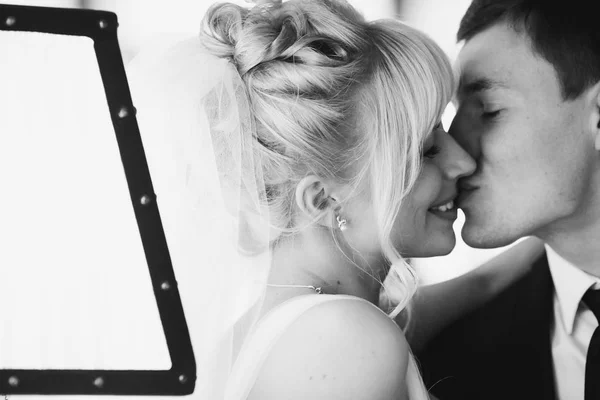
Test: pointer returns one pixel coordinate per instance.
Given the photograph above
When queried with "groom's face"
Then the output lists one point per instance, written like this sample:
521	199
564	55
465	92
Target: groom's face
531	147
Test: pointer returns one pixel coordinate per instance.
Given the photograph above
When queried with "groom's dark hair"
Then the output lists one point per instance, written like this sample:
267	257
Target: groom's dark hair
566	34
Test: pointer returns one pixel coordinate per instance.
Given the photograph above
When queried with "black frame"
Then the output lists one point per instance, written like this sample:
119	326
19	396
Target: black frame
101	27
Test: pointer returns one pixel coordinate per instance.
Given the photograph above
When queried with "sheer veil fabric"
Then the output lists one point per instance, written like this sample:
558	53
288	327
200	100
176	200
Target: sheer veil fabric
197	131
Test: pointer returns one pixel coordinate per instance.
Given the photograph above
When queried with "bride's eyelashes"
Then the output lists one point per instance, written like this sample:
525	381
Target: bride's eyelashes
432	151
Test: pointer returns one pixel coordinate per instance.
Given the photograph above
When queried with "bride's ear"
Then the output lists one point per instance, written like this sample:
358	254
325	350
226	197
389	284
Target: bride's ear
316	198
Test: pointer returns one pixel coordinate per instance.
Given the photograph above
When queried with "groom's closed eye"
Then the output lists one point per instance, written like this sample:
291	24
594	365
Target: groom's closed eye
490	114
482	108
483	97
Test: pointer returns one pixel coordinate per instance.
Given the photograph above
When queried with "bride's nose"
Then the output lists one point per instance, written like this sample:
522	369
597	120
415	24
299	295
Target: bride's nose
455	161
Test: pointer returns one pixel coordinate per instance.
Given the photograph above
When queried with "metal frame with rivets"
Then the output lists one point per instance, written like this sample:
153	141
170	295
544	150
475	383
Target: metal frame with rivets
101	27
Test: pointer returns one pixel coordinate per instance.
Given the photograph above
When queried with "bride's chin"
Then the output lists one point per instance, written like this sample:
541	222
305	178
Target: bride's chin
445	245
437	245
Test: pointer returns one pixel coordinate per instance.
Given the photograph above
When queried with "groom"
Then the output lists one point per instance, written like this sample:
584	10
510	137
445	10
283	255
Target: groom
529	113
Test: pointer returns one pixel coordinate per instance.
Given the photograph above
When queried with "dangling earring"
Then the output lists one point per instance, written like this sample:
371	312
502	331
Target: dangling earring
342	223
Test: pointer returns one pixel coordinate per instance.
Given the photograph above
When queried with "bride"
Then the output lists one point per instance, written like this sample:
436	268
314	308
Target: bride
299	160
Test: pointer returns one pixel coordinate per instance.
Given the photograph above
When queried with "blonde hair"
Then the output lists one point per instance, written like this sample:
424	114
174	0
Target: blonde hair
336	96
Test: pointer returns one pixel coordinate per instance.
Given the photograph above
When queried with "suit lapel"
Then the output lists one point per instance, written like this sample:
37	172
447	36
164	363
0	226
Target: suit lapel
533	320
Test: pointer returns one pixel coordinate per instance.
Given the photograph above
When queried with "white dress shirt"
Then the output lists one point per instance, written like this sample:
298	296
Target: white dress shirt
573	326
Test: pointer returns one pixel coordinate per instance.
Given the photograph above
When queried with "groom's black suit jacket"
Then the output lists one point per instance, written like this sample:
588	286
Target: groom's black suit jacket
500	351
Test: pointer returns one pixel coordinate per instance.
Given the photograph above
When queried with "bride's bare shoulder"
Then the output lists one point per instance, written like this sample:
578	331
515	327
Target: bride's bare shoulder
346	348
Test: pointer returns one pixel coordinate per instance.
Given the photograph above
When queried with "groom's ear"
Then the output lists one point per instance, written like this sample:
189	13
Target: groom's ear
595	116
316	199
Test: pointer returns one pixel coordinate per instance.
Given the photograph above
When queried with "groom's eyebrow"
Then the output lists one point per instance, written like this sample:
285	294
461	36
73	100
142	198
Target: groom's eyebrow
471	87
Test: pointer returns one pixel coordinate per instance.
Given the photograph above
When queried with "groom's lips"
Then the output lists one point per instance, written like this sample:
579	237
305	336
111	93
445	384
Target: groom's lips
465	189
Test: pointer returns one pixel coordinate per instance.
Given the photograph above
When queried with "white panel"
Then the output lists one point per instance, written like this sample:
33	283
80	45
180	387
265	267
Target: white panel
75	288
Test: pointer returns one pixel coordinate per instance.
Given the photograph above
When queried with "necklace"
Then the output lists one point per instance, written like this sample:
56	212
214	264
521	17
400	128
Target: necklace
319	290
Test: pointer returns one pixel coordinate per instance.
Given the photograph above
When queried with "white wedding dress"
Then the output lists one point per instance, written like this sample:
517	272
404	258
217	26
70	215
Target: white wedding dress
270	327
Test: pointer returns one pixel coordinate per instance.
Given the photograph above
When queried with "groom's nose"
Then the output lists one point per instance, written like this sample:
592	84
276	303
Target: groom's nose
465	135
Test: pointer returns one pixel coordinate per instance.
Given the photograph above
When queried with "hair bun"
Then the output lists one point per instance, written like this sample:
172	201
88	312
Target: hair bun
221	28
299	33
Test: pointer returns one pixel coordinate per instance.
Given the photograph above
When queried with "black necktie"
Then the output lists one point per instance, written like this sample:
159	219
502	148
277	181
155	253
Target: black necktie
592	364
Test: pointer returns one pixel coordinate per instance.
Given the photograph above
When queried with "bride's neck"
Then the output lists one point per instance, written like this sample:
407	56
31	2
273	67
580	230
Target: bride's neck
313	258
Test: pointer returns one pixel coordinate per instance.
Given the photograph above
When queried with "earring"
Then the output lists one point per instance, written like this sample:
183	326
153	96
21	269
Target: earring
342	223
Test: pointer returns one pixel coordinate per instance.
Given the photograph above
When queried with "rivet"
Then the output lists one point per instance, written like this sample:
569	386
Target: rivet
99	382
145	200
182	378
165	285
13	381
123	112
102	24
10	21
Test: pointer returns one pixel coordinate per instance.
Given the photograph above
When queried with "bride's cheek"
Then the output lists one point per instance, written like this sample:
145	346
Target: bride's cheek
426	189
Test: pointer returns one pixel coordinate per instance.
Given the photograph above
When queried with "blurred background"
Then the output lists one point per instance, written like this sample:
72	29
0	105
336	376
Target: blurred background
142	21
